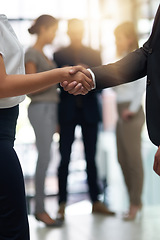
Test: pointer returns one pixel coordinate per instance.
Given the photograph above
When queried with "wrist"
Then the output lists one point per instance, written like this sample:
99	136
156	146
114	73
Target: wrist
64	74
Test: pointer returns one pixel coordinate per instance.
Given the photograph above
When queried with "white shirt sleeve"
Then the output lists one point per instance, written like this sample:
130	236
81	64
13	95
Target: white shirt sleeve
2	43
139	89
13	57
93	77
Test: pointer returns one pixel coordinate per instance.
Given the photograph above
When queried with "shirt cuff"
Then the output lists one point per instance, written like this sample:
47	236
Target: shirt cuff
93	77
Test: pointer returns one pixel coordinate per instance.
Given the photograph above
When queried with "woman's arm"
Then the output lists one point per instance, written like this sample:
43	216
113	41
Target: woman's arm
130	68
30	68
15	85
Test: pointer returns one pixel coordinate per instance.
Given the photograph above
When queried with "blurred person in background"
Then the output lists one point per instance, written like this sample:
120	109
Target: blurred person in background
137	64
130	122
78	110
42	110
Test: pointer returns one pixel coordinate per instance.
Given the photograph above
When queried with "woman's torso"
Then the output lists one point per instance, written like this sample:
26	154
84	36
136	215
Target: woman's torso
13	57
42	64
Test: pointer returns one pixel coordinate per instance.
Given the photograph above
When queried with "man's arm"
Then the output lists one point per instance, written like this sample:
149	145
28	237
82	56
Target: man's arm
128	69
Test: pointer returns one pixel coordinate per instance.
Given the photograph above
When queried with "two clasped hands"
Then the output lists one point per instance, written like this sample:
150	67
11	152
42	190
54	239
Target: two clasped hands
82	83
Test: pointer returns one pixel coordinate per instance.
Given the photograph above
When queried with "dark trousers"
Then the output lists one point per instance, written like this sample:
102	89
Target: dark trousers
89	133
13	213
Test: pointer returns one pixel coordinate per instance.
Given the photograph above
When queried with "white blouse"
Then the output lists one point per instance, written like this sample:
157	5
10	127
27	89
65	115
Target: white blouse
131	92
13	56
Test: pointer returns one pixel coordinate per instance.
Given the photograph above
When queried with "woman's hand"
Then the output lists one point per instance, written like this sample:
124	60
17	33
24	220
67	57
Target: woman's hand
127	115
81	81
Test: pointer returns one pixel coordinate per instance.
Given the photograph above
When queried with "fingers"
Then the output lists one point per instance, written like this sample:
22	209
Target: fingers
68	86
76	69
78	83
87	83
156	165
81	90
79	68
79	77
74	88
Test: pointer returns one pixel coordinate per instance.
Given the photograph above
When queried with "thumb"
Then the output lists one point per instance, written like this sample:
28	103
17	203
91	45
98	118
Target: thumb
79	68
75	69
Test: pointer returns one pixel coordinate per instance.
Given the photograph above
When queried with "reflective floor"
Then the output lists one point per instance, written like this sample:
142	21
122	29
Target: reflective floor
81	224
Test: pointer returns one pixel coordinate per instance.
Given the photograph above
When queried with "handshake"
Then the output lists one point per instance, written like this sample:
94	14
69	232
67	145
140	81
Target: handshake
80	81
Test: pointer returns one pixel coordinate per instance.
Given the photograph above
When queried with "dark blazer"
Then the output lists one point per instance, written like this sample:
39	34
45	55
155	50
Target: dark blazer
142	62
90	104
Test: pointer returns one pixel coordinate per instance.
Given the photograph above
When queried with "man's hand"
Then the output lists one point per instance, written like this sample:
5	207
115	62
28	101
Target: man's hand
80	68
82	83
127	115
156	166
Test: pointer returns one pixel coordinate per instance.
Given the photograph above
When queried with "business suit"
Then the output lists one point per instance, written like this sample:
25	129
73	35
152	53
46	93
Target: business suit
78	110
142	62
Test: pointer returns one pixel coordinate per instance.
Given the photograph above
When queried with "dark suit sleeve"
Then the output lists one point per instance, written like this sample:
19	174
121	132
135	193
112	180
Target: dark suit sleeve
130	68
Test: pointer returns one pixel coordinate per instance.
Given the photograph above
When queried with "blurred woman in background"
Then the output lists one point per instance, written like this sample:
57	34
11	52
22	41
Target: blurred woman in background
42	111
130	122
